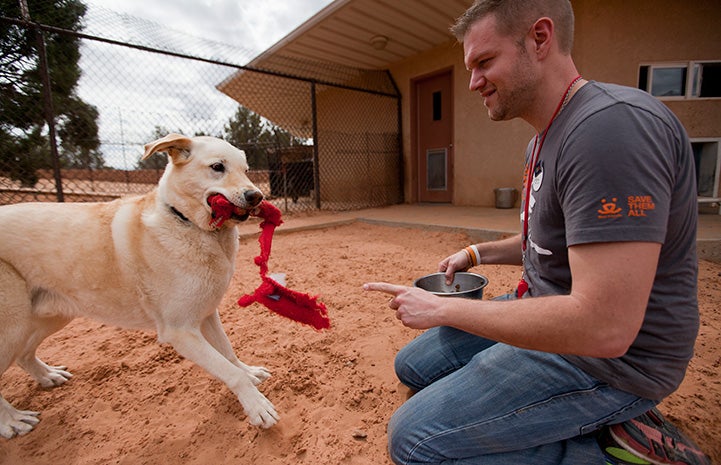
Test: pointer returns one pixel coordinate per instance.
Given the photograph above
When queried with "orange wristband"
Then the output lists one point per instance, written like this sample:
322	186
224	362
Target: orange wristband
469	256
474	257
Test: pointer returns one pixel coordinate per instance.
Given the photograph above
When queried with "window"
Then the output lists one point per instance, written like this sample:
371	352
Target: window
668	82
436	163
681	80
707	80
707	156
437	106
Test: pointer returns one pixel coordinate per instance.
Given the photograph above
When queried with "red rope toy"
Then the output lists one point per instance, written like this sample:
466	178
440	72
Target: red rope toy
276	297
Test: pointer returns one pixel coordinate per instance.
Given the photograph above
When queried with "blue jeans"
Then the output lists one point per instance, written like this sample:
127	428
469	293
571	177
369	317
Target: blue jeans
481	402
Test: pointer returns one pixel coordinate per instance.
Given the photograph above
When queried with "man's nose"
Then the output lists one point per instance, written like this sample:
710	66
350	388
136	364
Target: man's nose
477	81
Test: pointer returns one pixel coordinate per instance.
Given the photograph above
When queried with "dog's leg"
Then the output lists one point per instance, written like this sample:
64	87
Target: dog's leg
191	344
20	422
47	375
16	321
48	317
17	422
213	331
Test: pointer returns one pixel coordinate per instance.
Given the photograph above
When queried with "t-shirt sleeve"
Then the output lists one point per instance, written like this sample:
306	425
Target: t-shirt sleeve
615	178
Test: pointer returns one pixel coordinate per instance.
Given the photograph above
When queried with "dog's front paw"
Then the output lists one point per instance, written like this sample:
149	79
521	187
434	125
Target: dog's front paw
47	375
54	376
15	422
260	411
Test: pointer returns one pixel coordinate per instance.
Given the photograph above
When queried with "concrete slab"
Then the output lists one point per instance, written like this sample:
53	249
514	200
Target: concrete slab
480	223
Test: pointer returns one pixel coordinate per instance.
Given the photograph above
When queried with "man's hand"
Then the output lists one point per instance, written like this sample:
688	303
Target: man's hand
415	307
456	262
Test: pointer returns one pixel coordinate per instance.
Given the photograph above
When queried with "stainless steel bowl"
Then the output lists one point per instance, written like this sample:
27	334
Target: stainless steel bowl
468	285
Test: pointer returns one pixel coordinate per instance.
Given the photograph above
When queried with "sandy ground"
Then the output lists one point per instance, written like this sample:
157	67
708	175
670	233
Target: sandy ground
133	401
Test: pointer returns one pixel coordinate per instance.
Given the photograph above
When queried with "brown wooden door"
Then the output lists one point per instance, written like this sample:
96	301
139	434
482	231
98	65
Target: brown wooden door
434	138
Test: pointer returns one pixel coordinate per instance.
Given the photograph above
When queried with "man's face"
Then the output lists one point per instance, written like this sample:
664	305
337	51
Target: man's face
501	70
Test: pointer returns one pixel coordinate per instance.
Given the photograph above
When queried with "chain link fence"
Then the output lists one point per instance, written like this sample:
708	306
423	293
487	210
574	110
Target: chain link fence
84	88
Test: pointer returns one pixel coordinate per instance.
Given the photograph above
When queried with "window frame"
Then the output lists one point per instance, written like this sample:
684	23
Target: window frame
693	78
717	172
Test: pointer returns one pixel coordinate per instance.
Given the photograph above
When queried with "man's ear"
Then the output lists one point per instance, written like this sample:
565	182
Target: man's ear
177	146
542	33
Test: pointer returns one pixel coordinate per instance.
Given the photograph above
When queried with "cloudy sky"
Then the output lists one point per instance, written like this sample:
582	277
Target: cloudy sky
128	99
248	24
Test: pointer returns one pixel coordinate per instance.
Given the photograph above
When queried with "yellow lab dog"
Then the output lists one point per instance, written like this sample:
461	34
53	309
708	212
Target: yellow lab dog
151	261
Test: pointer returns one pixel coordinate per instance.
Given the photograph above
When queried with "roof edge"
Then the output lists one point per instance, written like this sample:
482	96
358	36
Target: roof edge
302	29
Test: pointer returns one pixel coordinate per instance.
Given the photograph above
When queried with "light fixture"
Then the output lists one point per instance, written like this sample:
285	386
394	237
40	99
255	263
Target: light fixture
379	42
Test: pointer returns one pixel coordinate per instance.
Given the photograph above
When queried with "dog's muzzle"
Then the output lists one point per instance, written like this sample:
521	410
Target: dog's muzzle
223	209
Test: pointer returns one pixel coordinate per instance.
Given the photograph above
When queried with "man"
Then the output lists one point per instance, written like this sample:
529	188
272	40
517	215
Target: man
607	316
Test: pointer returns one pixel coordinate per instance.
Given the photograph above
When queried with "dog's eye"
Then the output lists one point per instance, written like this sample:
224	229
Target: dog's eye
218	167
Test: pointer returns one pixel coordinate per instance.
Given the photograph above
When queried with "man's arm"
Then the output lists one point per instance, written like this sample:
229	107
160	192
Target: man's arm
502	252
600	318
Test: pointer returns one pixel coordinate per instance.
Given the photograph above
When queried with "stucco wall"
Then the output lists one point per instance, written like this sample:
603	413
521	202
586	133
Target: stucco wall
357	147
614	37
487	154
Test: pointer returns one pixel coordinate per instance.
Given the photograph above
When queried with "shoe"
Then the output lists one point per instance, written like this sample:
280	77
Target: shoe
614	454
655	439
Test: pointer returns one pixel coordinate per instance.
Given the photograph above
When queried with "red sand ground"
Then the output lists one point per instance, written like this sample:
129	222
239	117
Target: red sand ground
133	401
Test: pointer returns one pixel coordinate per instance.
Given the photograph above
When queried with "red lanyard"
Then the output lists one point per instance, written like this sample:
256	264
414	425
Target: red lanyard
528	181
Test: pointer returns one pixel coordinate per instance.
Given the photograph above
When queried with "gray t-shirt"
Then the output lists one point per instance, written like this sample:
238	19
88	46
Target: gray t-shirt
617	165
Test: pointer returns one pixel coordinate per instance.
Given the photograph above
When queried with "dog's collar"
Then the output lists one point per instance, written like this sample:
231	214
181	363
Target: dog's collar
177	213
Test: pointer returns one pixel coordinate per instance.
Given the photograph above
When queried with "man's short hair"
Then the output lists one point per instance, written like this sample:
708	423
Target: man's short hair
515	17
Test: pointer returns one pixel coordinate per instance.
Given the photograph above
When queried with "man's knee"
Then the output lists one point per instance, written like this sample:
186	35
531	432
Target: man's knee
404	365
399	447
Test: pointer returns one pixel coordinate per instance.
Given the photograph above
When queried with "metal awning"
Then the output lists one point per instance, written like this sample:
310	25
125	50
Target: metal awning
370	34
350	43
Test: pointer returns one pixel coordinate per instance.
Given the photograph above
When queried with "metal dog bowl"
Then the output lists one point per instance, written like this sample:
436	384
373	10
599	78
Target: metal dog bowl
468	285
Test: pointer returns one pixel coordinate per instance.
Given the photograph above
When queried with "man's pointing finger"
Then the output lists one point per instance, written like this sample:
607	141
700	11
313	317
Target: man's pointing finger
391	289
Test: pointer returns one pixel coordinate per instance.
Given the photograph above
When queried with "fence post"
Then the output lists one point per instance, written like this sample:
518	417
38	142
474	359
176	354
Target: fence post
316	169
47	100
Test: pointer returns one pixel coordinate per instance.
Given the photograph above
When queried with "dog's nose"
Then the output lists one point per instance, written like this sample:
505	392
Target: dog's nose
253	197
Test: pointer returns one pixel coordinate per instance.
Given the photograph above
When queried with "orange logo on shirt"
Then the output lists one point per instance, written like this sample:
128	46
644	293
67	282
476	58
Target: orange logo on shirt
609	209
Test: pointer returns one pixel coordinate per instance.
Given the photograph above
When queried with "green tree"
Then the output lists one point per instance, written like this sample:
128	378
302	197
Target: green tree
24	146
246	130
249	132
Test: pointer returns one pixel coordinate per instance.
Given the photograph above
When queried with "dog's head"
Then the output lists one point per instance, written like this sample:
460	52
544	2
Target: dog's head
200	167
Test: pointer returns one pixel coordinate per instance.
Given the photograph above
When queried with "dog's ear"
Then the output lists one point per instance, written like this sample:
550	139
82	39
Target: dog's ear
176	145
